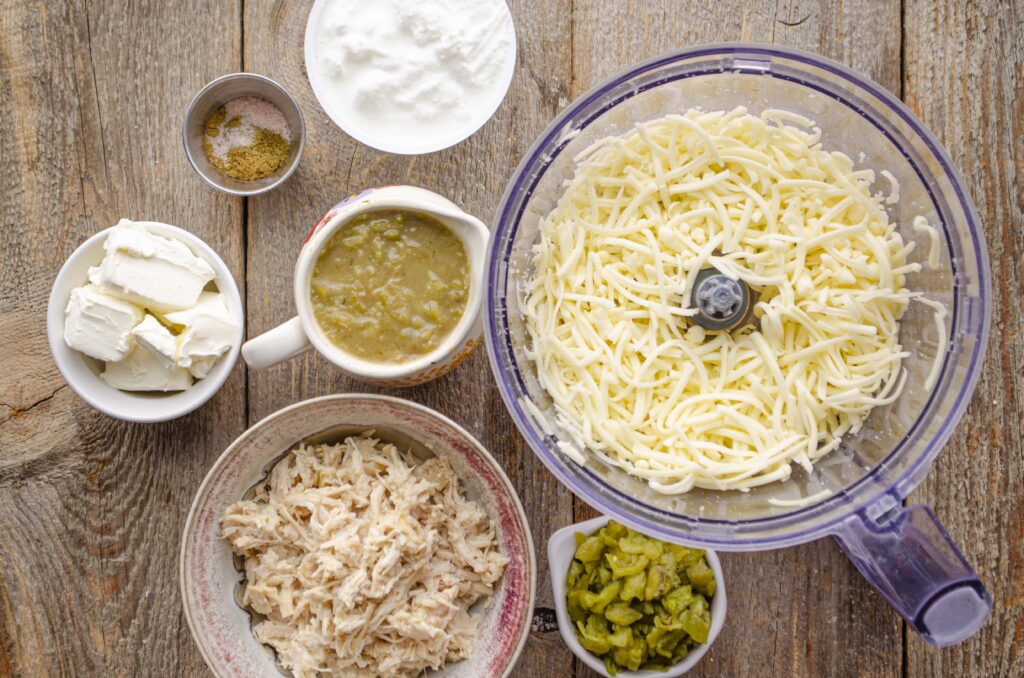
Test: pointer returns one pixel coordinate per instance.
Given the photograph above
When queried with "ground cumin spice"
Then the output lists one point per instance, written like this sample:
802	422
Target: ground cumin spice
247	138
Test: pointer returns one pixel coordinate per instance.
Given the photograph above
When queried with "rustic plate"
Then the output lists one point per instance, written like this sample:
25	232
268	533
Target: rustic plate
209	578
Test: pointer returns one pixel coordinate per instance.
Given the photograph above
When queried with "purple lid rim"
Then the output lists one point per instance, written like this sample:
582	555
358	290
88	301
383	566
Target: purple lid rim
782	524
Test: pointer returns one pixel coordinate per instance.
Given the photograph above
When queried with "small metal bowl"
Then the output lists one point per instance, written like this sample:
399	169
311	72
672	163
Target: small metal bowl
216	94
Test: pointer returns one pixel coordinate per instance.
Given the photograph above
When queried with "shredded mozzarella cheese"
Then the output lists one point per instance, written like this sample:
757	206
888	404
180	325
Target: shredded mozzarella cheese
805	501
762	202
921	225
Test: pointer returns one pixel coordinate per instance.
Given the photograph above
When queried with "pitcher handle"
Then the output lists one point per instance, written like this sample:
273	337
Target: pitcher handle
279	344
908	557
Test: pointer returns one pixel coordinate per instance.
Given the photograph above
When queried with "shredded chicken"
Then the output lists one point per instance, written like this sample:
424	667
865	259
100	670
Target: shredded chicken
363	562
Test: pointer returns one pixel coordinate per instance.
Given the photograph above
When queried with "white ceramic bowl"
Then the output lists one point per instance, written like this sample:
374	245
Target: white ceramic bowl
385	142
562	548
303	331
82	373
209	579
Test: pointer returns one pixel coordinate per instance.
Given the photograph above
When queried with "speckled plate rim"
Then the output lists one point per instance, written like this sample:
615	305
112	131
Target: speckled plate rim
512	604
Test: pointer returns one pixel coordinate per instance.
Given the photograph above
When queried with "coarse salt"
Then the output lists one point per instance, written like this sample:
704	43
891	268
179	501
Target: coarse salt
251	112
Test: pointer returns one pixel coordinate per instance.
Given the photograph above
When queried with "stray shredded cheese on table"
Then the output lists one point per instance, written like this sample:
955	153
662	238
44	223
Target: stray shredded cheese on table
757	198
363	562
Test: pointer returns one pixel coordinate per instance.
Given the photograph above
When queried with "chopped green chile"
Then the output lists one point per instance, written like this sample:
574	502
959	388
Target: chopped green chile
622	614
627	566
636	602
589	550
390	286
702	578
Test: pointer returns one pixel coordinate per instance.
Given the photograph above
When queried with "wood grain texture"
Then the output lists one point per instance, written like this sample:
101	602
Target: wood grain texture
963	75
805	610
91	98
91	509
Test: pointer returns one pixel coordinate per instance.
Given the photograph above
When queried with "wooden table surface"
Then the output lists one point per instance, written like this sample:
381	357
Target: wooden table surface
91	509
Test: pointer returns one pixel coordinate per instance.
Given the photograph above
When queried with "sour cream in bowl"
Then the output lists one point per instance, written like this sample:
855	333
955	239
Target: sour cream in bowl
410	76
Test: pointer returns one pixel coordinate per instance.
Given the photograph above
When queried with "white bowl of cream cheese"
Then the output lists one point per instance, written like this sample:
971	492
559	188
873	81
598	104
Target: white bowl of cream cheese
73	299
410	76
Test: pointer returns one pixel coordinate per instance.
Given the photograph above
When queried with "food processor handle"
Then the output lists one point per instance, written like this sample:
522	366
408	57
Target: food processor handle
907	555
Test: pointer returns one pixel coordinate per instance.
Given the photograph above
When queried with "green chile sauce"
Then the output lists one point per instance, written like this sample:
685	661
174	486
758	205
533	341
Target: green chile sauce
390	286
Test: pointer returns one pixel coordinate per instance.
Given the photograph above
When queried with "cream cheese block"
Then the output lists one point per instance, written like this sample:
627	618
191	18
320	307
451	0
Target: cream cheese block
157	339
100	325
142	370
208	333
150	270
144	312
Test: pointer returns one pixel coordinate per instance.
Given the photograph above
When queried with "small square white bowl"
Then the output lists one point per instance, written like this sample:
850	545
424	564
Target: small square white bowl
83	373
562	548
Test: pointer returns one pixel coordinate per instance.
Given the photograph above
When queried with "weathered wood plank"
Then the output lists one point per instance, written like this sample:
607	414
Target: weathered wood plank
473	175
963	75
805	610
90	508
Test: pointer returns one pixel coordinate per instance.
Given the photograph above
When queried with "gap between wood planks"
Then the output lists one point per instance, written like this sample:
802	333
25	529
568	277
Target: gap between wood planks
904	627
245	235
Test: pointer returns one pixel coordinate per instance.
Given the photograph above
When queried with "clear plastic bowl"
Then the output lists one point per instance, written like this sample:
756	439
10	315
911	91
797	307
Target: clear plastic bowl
903	551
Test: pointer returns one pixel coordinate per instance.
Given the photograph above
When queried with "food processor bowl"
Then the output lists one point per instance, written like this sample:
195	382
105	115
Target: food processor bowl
856	492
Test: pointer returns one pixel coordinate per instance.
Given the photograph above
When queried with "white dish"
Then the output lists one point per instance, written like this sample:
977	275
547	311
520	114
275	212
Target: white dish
303	332
562	548
381	139
82	373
